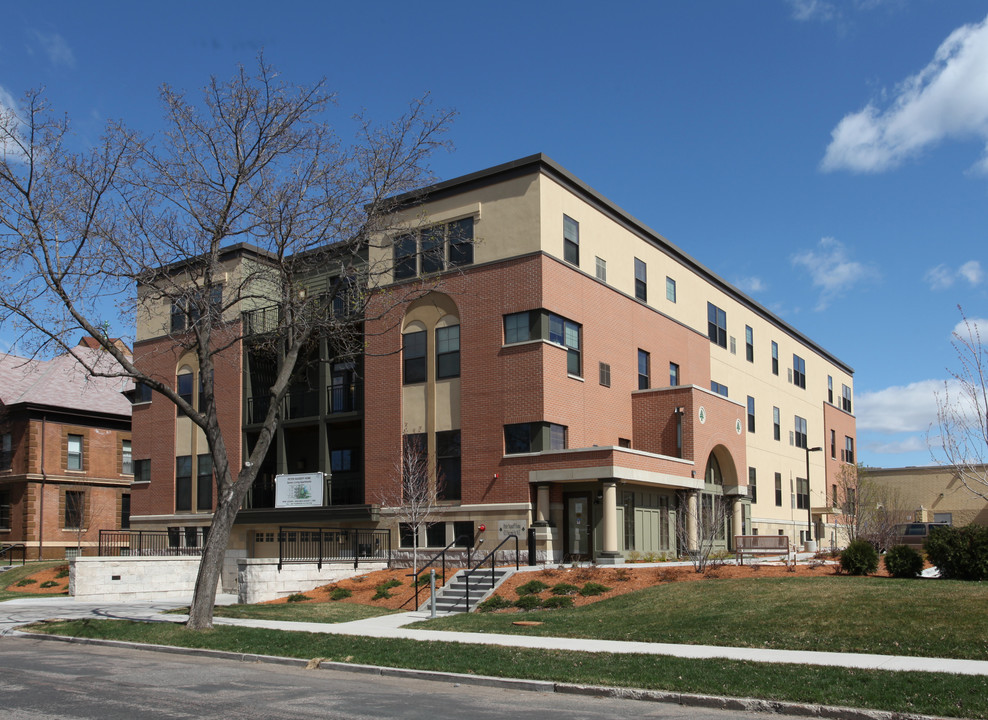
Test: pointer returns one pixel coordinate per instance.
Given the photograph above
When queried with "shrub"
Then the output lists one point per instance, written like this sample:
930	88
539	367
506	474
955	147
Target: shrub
902	561
63	572
593	588
26	581
298	597
527	602
557	602
565	589
338	593
959	553
532	587
621	575
49	584
494	602
859	558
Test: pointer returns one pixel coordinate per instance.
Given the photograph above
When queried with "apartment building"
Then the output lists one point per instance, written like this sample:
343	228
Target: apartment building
565	368
65	453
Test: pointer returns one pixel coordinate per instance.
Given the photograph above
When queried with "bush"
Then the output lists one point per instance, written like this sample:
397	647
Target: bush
902	561
62	573
532	587
527	602
494	602
565	589
557	602
298	597
338	593
26	581
959	553
592	588
49	584
859	558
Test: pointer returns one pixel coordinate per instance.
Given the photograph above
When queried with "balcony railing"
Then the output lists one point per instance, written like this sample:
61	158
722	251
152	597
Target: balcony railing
318	545
174	541
305	403
344	398
263	320
302	403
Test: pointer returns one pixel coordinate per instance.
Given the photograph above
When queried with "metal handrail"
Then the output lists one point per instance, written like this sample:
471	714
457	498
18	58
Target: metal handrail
428	565
346	544
491	555
9	549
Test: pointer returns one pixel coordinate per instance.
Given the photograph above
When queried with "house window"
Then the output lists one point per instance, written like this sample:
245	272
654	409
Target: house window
644	370
539	324
670	289
448	464
406	536
716	325
75	501
624	443
778	491
433	249
142	471
414	357
178	315
800	429
830	389
405	256
752	484
776	424
183	483
142	393
571	241
798	371
6	451
845	398
641	281
718	388
802	494
521	327
342	460
833	444
204	482
673	374
567	333
4	509
557	437
435	535
775	358
849	449
534	437
448	352
749	344
751	414
463	533
126	458
185	383
605	374
74	458
602	269
833	502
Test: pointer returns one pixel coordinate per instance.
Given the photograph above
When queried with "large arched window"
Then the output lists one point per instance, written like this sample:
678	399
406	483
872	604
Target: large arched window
713	475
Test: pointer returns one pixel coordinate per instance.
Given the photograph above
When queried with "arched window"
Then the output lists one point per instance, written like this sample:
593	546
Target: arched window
713	474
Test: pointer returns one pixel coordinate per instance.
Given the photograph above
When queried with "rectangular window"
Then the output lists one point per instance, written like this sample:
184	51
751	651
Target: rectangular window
185	383
405	250
178	315
849	449
670	289
142	471
433	249
534	437
798	371
641	281
183	483
673	374
833	444
521	327
830	389
751	414
448	464
557	437
749	344
75	501
833	502
752	485
567	333
415	447
776	424
204	482
716	325
718	388
845	398
463	533
644	370
414	357
536	324
605	374
406	537
343	460
448	352
142	393
126	458
775	358
778	491
6	451
800	430
435	535
802	494
4	509
459	236
602	269
571	241
74	458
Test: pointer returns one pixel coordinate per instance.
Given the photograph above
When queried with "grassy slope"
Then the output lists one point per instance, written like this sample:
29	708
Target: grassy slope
18	573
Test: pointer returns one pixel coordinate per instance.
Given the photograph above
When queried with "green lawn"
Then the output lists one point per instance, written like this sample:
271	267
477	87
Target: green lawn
929	693
937	618
11	577
331	612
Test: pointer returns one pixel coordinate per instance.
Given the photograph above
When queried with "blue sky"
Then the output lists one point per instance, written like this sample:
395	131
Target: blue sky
831	159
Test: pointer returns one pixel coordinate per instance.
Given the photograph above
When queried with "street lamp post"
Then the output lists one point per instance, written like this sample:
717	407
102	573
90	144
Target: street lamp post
809	513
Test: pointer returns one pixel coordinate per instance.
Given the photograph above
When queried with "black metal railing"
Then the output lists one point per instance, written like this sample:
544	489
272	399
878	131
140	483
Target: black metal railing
441	555
319	545
257	408
490	556
7	553
262	320
343	398
150	543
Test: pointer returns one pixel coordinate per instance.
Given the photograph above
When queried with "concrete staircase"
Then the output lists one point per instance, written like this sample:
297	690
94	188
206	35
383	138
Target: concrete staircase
451	598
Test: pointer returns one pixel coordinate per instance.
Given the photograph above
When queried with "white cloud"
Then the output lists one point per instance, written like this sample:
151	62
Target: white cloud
942	277
751	284
831	269
804	10
898	409
972	329
908	444
55	47
972	272
946	99
8	123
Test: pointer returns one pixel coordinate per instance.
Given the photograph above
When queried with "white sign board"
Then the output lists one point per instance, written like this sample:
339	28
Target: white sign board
512	527
303	490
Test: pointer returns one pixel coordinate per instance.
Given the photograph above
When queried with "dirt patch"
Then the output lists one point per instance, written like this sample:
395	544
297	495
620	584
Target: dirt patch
43	578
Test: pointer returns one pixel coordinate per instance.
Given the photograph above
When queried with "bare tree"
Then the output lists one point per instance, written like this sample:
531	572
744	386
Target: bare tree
255	161
962	412
699	526
870	510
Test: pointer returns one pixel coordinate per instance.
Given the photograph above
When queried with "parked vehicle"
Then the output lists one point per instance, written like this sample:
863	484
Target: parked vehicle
915	534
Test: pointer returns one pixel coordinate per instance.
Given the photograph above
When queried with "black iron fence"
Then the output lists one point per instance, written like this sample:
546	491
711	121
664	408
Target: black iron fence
8	553
148	543
319	545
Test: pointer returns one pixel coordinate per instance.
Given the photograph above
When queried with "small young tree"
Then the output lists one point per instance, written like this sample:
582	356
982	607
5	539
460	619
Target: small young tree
699	526
870	510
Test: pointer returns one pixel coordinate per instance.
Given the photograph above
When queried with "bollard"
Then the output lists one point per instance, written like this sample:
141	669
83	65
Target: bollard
432	589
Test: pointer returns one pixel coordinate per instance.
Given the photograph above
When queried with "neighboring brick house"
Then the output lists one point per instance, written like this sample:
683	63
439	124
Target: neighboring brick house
569	369
65	453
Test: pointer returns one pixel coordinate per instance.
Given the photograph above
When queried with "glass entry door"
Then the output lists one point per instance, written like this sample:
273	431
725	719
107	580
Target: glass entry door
579	527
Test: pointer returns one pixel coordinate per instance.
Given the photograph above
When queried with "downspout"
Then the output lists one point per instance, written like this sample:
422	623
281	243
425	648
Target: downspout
41	504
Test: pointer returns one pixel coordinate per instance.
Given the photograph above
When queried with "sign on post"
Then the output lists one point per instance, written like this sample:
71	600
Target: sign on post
301	490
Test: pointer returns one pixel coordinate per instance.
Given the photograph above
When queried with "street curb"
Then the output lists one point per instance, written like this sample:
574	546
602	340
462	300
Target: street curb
717	702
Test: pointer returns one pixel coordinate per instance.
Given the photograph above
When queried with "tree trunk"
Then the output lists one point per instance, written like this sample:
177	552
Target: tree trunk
211	564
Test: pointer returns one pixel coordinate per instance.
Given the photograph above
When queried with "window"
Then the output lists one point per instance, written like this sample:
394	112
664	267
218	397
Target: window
204	482
183	483
716	325
74	509
521	327
185	382
405	256
718	388
435	535
342	460
752	484
557	437
415	447
673	374
833	502
178	315
798	371
534	437
126	458
406	536
539	324
567	333
142	393
433	249
800	429
74	458
641	281
571	241
142	471
448	464
448	352
776	424
6	451
830	389
775	358
751	414
749	344
601	269
734	346
849	449
4	509
644	370
778	491
849	505
414	357
624	443
845	403
833	444
605	374
670	289
463	533
802	494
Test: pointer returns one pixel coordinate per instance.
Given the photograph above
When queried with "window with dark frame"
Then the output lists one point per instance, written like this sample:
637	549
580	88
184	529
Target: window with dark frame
435	535
4	509
833	444
522	327
775	358
753	484
75	502
185	383
749	344
845	398
601	269
798	371
830	389
413	357
776	424
448	352
540	324
571	241
849	450
716	325
673	374
183	483
204	482
74	453
605	374
800	430
433	249
670	289
448	464
534	437
802	494
142	471
641	281
6	451
751	414
644	370
142	393
718	388
126	458
778	491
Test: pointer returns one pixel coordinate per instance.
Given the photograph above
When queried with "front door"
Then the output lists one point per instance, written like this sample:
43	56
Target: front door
579	527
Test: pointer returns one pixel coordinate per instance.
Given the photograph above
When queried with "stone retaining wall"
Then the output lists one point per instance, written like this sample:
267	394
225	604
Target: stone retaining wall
259	579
